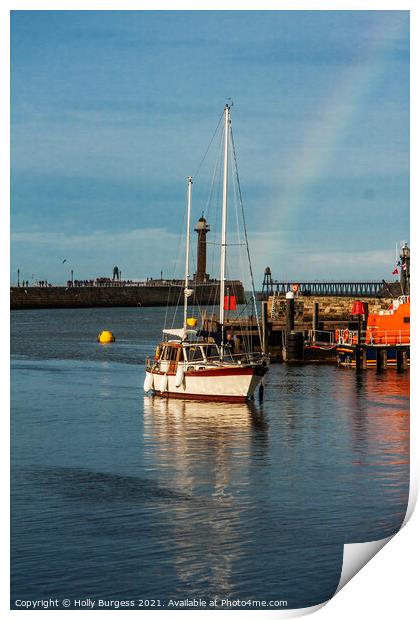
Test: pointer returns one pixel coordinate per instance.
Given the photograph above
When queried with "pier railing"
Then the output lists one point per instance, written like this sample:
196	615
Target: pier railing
374	336
324	288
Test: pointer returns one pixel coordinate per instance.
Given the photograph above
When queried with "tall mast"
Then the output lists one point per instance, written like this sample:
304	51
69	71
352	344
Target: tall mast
224	220
187	292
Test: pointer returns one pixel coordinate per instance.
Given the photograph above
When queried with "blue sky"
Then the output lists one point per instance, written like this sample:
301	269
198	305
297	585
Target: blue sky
112	110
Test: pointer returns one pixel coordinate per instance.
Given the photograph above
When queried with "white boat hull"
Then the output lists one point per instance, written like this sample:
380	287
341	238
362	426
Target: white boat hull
224	384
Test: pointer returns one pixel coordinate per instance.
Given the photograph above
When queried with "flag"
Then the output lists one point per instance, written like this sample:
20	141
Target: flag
395	272
230	302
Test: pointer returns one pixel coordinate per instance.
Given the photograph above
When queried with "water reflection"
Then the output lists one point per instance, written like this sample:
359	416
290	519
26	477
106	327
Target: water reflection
203	443
206	448
380	418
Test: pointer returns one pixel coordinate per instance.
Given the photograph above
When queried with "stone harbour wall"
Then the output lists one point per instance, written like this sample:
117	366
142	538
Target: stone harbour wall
34	297
334	309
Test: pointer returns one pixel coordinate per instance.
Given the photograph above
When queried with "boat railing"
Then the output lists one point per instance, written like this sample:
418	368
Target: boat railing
243	357
235	358
387	337
373	336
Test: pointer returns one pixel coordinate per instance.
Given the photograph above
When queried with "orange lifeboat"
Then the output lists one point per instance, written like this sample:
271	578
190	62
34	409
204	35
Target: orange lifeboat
390	326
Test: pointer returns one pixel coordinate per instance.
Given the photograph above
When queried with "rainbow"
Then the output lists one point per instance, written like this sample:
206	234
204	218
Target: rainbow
316	154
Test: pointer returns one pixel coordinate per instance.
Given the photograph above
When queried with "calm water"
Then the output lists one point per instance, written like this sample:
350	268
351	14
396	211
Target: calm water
120	496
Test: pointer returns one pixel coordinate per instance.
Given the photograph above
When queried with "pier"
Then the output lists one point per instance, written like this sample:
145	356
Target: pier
305	329
334	288
363	288
113	295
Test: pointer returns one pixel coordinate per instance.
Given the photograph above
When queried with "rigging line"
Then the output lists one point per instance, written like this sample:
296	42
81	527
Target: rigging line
203	308
238	228
176	263
245	332
200	309
246	338
217	168
176	307
245	306
213	183
234	292
214	191
216	197
238	258
208	148
246	234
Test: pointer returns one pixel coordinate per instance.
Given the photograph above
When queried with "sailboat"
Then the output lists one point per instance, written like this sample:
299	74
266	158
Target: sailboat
193	363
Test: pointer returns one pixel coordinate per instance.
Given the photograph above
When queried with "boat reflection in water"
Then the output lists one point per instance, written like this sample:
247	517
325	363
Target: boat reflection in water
212	414
204	444
206	450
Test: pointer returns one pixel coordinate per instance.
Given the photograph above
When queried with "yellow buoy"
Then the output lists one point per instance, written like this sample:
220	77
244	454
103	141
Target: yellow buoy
106	336
191	322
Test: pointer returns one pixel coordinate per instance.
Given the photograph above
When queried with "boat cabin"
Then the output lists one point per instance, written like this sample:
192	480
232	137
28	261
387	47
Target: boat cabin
189	352
198	354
